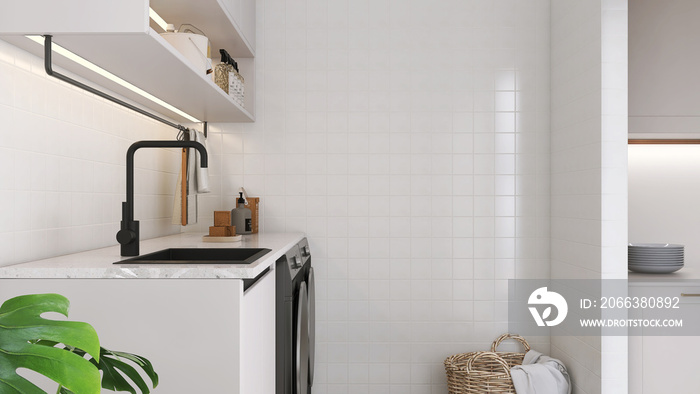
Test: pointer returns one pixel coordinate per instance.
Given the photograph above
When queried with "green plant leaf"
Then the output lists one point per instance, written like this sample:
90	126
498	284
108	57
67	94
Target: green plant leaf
111	364
21	327
142	362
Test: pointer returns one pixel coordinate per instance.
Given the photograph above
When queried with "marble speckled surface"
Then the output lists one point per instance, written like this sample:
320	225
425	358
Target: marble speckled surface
98	263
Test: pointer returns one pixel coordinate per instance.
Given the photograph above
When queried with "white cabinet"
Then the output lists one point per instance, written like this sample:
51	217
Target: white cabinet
202	335
118	37
258	337
666	364
664	85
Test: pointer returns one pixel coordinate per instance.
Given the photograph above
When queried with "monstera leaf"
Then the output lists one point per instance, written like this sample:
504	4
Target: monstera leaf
110	364
114	369
21	330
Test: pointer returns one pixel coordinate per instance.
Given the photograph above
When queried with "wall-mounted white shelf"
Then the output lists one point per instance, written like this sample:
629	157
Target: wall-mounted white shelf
126	46
217	22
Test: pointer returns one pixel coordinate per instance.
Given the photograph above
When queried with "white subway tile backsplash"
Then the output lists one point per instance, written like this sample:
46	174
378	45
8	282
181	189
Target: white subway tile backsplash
22	210
8	218
72	146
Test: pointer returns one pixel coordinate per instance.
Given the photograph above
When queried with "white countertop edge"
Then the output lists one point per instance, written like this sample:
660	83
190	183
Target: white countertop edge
98	263
684	274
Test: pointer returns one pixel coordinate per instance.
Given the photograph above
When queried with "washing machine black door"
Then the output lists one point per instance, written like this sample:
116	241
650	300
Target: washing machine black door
302	341
312	323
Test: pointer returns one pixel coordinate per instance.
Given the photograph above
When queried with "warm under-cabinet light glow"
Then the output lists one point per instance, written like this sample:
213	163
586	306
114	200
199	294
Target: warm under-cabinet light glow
99	70
157	19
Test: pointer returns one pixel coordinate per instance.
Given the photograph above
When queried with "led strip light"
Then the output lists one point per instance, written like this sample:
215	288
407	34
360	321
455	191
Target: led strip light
157	19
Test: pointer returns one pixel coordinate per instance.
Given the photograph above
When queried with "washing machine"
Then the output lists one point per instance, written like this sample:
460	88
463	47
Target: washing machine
296	321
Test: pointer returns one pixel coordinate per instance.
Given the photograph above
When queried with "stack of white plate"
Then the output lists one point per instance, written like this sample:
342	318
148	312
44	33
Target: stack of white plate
655	258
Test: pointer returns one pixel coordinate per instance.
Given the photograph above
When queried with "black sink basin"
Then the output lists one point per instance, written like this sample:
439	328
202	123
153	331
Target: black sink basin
199	256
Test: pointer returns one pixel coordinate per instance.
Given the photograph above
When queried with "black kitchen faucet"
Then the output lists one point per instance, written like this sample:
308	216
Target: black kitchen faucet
128	236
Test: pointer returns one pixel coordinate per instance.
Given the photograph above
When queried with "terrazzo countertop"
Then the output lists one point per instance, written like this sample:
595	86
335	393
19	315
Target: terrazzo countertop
98	263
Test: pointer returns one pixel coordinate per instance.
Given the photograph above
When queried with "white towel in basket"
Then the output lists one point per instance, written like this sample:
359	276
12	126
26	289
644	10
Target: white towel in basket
540	374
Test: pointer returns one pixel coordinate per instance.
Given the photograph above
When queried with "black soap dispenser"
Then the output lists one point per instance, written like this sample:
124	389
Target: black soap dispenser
242	217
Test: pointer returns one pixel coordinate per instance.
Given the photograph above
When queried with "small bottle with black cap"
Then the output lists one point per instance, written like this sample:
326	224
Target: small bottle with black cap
223	70
242	217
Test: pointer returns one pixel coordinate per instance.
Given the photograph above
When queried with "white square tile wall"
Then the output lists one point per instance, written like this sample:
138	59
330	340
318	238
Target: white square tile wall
410	141
63	155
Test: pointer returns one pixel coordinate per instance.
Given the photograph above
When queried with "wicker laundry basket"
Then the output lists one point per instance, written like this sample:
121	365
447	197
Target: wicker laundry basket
511	358
484	372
